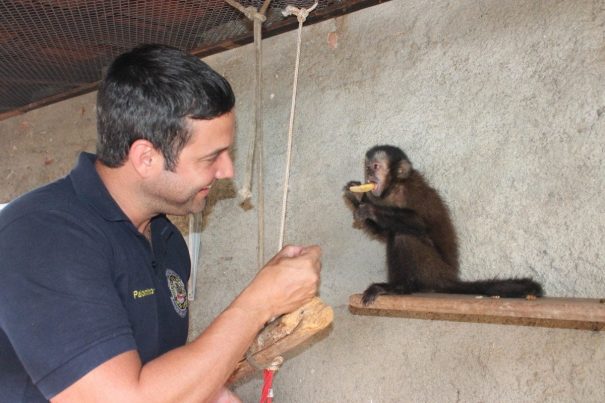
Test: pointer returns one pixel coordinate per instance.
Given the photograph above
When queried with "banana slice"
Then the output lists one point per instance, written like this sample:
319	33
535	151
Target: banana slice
366	187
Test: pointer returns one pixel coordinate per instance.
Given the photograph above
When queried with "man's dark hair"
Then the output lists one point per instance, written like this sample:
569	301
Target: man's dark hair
148	93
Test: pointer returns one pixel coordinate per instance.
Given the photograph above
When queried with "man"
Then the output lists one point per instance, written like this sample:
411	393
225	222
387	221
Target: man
92	275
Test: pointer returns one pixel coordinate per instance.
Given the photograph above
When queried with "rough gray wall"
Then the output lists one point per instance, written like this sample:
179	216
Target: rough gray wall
42	145
500	103
502	106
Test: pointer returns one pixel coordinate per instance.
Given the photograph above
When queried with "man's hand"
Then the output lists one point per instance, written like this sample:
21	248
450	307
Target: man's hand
289	280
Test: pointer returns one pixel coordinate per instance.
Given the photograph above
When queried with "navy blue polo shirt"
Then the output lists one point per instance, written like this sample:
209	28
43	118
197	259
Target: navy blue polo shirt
79	285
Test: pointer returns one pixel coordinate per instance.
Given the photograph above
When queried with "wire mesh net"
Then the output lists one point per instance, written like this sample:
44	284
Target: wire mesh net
52	47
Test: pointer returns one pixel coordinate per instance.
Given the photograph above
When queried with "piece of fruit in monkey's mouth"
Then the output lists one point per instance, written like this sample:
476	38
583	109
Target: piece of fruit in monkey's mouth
366	187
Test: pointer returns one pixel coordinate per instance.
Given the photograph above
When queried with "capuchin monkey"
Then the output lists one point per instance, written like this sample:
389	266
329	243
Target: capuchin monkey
422	248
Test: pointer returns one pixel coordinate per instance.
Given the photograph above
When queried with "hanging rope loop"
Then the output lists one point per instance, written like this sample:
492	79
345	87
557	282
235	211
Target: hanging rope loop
255	149
301	15
258	18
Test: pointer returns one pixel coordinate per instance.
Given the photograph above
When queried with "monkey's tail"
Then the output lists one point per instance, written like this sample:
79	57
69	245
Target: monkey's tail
508	288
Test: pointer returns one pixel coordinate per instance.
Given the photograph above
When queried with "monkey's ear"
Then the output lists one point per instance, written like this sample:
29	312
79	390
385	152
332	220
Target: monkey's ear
404	169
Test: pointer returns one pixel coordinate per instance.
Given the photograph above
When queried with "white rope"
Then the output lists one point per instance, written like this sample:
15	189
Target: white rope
255	149
251	13
301	15
260	256
245	193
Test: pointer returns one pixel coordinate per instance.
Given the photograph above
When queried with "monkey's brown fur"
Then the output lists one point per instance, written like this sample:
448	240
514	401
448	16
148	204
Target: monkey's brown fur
422	247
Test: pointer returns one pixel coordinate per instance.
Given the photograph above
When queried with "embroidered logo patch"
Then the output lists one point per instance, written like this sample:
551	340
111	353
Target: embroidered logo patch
178	293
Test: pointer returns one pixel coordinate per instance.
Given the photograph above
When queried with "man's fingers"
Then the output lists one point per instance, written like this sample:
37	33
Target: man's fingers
290	251
313	250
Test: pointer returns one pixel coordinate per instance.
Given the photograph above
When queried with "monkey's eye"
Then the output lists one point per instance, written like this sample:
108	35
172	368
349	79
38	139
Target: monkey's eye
375	166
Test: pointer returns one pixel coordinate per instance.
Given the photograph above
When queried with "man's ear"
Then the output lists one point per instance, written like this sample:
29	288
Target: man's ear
145	158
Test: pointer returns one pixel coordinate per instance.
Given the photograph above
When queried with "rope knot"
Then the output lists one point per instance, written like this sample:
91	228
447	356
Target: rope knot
252	14
276	363
249	11
300	13
245	194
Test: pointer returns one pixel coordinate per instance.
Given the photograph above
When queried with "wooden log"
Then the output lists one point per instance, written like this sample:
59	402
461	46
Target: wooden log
284	334
573	313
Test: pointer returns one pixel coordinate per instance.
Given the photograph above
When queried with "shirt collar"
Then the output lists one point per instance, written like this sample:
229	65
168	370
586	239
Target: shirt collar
90	188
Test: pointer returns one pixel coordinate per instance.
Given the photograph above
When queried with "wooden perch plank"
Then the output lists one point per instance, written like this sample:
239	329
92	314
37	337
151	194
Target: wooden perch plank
574	313
284	334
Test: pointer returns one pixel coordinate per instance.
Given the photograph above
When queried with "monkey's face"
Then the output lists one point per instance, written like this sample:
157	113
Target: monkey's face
388	168
377	172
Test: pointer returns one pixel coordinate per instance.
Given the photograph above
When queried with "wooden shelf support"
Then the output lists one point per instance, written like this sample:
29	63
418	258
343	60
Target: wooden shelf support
573	313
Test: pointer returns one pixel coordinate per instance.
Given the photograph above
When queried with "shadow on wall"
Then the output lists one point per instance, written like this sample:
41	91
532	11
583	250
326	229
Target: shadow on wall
222	190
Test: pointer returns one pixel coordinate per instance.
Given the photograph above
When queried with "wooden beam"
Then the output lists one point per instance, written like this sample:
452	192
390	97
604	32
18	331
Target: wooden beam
83	89
39	80
283	335
573	313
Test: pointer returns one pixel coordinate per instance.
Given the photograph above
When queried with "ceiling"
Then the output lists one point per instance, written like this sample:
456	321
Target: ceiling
51	50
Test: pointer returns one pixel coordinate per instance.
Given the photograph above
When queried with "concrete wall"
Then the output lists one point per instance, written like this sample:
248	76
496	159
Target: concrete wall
500	103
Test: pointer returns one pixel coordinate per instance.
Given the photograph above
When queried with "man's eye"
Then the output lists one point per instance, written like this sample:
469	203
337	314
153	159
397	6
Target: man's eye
210	159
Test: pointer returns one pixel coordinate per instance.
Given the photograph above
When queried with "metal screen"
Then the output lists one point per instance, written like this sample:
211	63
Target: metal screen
53	48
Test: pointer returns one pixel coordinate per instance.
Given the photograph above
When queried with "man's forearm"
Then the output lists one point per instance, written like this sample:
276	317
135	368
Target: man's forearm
194	372
199	369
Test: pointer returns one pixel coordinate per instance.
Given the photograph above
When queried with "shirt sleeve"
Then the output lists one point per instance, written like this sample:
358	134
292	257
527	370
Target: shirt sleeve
58	303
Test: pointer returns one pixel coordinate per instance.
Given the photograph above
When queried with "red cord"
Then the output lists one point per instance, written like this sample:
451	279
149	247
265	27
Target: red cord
267	393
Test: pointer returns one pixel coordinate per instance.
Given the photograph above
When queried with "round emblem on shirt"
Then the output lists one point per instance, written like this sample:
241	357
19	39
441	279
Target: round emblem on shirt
178	293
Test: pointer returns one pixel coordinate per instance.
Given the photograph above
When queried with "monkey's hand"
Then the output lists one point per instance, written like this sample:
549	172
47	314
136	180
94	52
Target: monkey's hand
351	197
365	218
365	211
392	219
351	183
